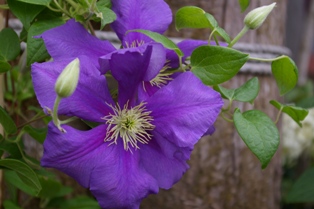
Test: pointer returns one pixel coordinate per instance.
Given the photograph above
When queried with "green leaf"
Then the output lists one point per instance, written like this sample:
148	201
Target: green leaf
39	134
4	65
104	3
25	12
52	188
258	132
286	74
215	65
167	43
11	148
296	113
38	2
8	204
10	44
27	175
245	93
244	4
80	203
13	178
191	17
303	189
221	32
107	16
36	50
213	24
7	122
195	17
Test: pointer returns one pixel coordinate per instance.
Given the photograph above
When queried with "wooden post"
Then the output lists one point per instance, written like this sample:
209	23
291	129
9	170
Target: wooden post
224	174
1	100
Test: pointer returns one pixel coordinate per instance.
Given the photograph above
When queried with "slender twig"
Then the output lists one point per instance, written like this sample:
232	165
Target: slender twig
31	121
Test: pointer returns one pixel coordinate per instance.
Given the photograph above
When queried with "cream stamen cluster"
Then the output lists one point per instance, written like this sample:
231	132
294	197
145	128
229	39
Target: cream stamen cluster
131	125
162	78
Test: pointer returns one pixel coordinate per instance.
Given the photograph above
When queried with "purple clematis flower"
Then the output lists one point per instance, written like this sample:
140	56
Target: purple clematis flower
141	146
142	143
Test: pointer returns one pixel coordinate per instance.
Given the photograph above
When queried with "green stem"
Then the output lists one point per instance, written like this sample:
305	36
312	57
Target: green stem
68	120
93	5
53	9
267	60
236	39
180	62
90	27
229	107
31	121
278	115
55	118
210	36
62	9
216	40
226	119
25	158
72	3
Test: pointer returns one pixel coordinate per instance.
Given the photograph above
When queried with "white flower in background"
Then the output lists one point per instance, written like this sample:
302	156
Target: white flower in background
295	139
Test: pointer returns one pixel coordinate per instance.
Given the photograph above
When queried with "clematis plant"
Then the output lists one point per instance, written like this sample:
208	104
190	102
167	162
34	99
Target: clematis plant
123	159
169	95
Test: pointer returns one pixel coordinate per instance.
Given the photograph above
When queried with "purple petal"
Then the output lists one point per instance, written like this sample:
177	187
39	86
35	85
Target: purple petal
90	97
157	59
121	182
72	40
210	131
166	157
184	110
153	15
115	176
130	67
187	47
75	153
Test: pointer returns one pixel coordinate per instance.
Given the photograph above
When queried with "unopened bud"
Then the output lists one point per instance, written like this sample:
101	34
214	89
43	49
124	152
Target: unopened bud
256	17
68	79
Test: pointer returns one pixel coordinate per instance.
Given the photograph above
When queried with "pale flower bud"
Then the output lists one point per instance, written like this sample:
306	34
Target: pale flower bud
68	79
256	17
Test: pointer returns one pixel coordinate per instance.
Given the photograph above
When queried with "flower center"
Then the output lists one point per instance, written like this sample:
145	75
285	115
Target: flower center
131	125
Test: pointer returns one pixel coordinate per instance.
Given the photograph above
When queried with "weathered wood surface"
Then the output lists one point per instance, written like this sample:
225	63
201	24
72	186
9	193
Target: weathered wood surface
1	101
224	174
